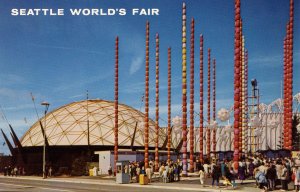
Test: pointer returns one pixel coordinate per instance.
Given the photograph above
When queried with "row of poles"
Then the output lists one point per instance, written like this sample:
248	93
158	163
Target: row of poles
240	93
184	98
241	78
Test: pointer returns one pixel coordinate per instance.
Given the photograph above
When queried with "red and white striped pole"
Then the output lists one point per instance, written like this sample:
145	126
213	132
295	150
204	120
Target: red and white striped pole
208	146
169	104
184	90
192	97
201	100
147	99
156	100
290	76
246	102
237	86
214	105
116	129
285	77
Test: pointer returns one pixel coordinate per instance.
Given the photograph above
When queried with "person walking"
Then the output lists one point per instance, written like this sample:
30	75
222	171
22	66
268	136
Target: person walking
176	172
202	176
5	171
50	171
284	178
9	171
251	169
216	173
206	168
138	172
279	168
271	176
297	179
232	176
15	171
261	180
241	172
149	173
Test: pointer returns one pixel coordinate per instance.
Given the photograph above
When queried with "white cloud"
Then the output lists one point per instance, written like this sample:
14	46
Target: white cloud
77	96
68	48
272	59
12	79
81	82
10	94
19	107
136	64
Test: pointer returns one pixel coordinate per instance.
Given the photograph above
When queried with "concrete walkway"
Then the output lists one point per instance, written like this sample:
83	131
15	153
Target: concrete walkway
186	183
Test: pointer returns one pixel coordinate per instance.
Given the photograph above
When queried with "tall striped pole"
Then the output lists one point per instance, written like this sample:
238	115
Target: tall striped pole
201	99
288	91
184	87
284	134
246	102
156	100
169	104
237	47
147	98
208	107
214	105
290	76
116	129
243	94
192	97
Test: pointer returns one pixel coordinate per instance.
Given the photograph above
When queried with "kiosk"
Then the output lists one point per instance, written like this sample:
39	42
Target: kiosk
122	175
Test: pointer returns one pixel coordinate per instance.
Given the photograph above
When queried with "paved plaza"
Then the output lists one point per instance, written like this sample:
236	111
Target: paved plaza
68	184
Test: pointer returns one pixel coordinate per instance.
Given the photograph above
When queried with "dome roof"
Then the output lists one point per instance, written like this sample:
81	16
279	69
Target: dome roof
68	125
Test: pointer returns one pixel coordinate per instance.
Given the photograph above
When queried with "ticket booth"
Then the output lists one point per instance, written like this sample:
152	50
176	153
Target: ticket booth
122	175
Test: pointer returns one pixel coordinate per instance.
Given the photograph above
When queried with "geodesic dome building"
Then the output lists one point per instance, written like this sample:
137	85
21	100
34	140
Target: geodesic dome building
78	129
91	122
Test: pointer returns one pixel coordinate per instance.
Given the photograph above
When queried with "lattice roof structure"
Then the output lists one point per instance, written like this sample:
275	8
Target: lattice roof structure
68	126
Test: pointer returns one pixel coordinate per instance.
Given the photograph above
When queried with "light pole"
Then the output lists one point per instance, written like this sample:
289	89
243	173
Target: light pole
46	104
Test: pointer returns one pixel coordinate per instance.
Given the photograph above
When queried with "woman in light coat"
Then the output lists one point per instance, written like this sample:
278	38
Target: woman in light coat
202	176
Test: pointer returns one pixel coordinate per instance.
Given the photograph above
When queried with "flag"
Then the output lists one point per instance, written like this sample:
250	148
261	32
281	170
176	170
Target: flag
25	120
3	143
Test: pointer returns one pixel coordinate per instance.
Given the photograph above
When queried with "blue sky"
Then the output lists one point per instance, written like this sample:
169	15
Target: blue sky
59	58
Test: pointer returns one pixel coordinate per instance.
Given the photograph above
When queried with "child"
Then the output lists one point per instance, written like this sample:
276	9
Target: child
202	176
226	181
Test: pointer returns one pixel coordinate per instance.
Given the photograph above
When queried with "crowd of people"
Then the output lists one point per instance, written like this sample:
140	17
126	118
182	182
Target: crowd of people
19	171
268	174
13	171
167	172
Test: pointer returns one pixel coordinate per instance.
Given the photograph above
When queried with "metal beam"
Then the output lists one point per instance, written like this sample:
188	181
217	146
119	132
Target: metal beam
43	132
166	140
133	137
11	149
15	137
